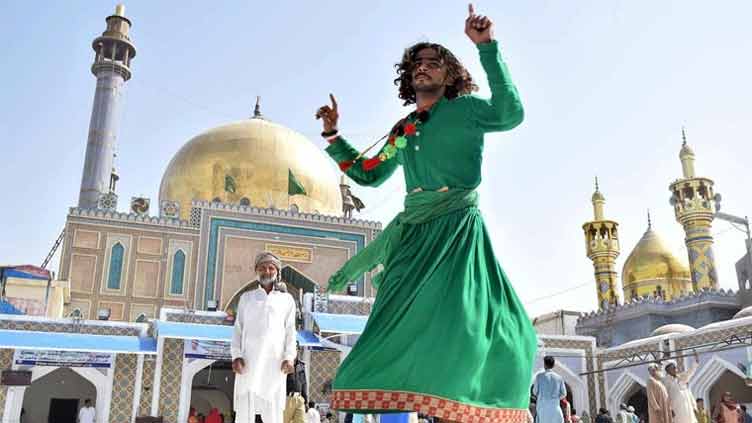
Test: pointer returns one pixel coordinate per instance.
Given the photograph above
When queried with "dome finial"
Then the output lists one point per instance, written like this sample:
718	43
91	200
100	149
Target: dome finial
598	201
257	110
684	137
687	157
650	221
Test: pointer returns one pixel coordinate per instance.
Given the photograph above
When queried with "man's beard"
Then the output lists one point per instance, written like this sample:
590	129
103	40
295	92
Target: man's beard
267	281
432	88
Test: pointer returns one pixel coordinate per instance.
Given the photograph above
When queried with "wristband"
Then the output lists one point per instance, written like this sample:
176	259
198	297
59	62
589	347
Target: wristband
329	133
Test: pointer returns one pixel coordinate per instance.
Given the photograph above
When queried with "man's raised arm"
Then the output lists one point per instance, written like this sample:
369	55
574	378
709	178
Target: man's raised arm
503	111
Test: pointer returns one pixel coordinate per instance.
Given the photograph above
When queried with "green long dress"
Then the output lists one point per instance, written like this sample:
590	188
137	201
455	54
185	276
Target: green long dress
447	336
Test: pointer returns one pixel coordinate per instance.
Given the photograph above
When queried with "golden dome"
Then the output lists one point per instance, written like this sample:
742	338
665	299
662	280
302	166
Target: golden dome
652	264
253	158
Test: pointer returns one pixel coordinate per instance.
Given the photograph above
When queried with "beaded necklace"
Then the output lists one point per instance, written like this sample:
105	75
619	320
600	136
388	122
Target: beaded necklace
406	129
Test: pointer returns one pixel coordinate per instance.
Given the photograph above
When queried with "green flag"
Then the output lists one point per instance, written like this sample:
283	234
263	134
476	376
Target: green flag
230	184
293	186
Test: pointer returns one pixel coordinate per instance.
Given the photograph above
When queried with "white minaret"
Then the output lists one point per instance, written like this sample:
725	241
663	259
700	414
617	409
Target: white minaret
114	51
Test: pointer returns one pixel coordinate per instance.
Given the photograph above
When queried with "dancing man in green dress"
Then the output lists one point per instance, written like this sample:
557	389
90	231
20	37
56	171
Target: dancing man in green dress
447	335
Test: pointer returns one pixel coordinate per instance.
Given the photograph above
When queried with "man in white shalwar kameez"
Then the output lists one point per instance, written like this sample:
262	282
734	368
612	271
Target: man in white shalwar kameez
549	390
263	346
679	396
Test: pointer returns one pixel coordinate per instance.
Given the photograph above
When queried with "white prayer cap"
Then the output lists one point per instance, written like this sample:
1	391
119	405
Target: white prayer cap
631	409
654	367
669	363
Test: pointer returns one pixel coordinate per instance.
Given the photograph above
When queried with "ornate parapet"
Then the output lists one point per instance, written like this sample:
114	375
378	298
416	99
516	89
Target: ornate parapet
647	305
197	206
116	216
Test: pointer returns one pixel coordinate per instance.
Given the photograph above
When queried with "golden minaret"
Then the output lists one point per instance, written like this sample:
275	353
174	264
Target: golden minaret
602	242
694	200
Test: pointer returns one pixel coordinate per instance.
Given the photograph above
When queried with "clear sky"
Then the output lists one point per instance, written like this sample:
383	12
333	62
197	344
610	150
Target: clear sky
607	86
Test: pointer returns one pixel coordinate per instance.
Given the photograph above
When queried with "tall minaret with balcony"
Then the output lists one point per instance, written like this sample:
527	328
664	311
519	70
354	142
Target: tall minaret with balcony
602	243
113	54
694	200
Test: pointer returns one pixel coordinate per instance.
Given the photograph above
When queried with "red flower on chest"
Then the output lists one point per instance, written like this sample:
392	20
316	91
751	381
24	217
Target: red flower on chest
410	129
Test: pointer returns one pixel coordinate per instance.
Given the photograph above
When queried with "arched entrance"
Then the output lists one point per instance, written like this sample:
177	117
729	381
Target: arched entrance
708	377
637	397
296	281
729	382
207	384
212	387
628	387
20	398
57	395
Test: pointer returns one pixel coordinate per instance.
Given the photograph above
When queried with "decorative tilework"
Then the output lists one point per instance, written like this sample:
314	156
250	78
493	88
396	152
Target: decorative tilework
123	384
195	219
69	327
362	308
323	367
169	389
196	318
426	404
217	223
6	359
116	266
146	386
178	273
591	378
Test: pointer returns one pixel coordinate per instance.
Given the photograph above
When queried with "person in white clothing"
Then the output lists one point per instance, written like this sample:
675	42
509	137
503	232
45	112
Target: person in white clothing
623	415
312	415
549	390
87	413
679	396
263	346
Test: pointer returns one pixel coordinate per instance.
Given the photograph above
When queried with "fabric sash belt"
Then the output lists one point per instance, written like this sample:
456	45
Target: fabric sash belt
420	207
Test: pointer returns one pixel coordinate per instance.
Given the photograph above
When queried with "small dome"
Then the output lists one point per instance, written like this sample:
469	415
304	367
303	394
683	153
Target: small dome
651	264
597	196
745	312
672	328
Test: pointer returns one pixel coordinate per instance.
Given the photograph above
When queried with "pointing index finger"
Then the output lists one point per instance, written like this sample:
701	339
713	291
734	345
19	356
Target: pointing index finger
470	9
334	101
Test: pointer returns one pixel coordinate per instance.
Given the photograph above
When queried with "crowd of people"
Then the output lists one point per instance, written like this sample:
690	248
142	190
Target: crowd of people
309	413
669	400
264	357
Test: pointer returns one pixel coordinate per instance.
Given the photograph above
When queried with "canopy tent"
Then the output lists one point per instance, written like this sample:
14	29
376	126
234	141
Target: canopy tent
206	332
341	324
63	341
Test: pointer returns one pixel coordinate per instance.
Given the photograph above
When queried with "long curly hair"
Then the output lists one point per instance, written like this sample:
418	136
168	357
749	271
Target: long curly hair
463	82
